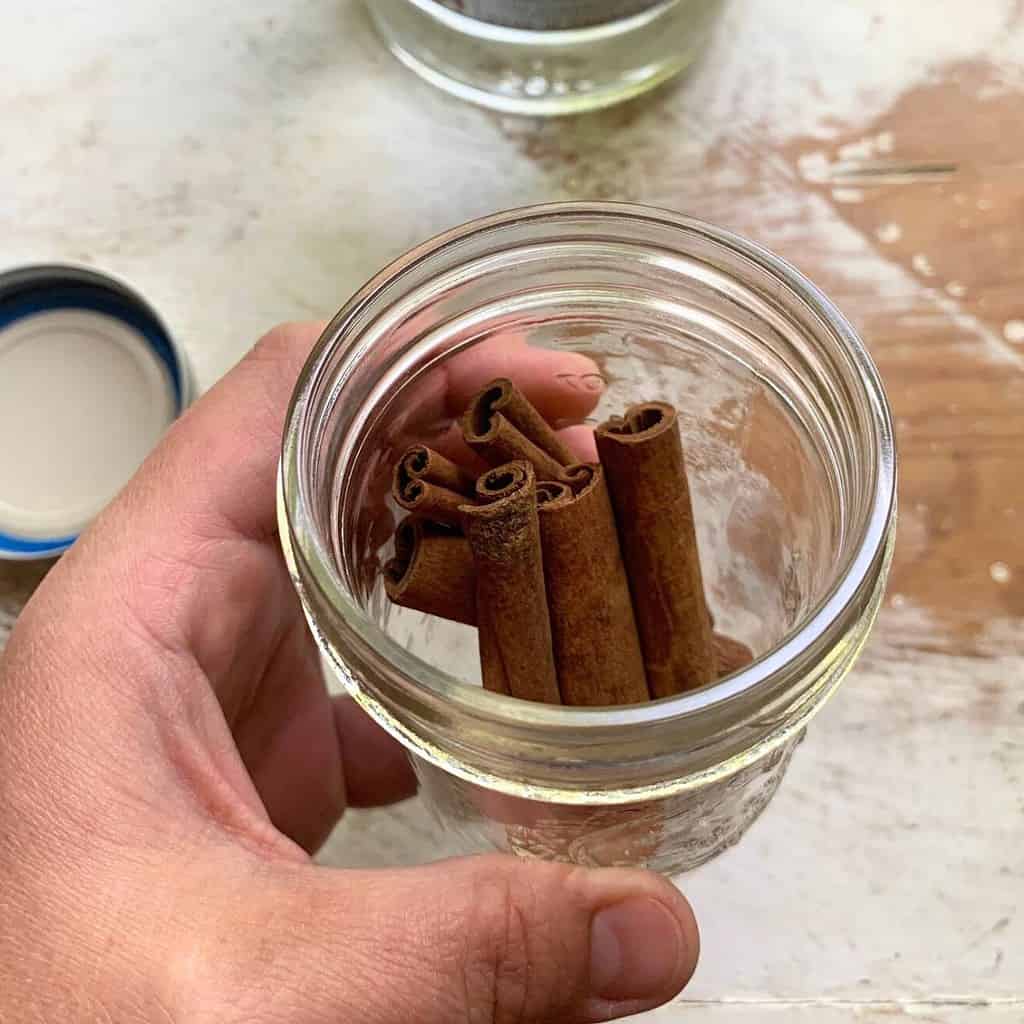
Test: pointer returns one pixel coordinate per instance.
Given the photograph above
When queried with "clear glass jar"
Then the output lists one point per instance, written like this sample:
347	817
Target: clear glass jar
790	454
545	57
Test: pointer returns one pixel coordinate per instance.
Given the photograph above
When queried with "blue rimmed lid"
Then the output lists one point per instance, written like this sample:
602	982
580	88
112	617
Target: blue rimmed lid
89	379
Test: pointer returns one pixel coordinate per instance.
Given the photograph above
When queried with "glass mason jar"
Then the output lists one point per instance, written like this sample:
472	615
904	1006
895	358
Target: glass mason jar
545	57
790	455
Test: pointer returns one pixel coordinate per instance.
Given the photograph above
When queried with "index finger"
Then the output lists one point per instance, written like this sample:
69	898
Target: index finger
215	472
564	386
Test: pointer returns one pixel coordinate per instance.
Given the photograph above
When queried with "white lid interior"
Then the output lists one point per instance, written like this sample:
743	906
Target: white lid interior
83	399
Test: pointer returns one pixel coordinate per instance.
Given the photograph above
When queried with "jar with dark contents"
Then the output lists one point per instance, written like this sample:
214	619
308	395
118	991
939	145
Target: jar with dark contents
545	57
792	473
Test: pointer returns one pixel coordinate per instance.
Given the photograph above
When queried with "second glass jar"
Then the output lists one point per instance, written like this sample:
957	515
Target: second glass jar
544	58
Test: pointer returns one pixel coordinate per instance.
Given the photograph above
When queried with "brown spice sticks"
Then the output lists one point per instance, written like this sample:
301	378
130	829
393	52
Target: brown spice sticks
419	462
501	425
431	486
584	581
515	632
593	630
492	665
642	455
432	571
431	502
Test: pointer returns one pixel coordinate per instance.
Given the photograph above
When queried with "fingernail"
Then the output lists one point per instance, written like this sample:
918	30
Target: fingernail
635	950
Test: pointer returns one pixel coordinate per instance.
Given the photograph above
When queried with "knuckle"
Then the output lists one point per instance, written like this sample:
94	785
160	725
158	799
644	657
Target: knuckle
281	343
271	368
512	967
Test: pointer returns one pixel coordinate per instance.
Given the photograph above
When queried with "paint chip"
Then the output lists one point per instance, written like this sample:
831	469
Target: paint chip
815	167
862	150
847	195
1000	572
956	289
889	233
923	265
1013	331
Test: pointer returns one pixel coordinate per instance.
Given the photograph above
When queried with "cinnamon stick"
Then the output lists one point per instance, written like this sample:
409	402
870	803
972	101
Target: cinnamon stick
502	426
642	455
515	633
730	655
593	630
492	666
428	500
432	571
418	462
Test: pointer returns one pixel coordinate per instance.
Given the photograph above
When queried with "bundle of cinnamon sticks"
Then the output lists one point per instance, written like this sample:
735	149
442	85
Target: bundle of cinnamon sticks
583	579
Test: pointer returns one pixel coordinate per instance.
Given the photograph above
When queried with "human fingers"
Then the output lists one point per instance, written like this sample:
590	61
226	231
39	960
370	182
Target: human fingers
488	939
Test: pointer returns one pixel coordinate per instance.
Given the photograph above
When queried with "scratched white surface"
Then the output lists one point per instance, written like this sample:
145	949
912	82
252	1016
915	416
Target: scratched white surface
247	163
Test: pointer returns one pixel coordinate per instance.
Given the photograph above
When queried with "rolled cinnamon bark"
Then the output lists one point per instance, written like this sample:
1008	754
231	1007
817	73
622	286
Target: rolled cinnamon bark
579	476
502	426
432	571
642	455
730	655
593	629
427	500
419	462
492	666
515	633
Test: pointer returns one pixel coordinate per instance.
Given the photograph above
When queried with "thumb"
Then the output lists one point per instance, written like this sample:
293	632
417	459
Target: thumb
480	939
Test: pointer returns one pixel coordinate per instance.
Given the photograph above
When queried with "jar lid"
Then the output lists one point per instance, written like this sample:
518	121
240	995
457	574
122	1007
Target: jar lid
90	379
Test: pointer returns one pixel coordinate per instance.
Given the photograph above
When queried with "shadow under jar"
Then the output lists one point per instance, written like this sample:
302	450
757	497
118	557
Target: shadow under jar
790	457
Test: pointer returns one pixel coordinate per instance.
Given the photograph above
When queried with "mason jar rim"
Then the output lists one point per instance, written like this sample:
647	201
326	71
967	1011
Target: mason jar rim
553	38
312	564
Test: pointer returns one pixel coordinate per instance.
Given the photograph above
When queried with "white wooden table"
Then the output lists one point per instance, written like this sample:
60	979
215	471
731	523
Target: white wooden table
247	163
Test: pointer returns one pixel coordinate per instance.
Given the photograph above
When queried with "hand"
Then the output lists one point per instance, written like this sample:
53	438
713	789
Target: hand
170	757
